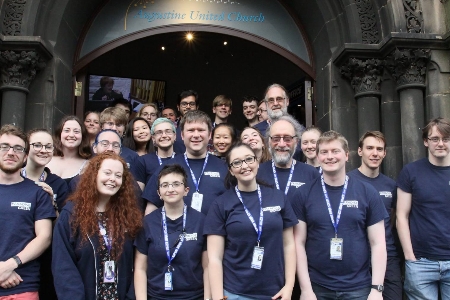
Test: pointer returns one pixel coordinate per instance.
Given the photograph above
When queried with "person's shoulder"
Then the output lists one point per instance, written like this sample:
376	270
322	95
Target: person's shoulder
358	184
128	152
68	209
386	179
53	178
266	165
305	167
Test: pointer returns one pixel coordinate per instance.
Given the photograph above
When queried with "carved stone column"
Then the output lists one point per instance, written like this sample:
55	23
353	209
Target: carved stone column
365	78
408	67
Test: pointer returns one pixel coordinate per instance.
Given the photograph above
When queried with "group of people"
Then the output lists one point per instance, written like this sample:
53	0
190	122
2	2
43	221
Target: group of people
166	208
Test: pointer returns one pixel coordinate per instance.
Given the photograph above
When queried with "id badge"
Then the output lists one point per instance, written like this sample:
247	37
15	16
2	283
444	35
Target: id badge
257	259
197	201
168	281
109	275
336	248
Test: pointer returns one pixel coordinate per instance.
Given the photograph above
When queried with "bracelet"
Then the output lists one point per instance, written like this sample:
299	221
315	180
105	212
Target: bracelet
17	260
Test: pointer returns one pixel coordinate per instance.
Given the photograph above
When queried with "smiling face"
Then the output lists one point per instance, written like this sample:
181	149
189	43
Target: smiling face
141	132
112	138
246	173
169	114
149	113
250	110
164	137
172	194
332	157
251	137
71	134
187	104
222	111
43	156
196	136
109	178
372	153
222	139
262	112
277	102
11	161
437	151
92	124
309	141
282	151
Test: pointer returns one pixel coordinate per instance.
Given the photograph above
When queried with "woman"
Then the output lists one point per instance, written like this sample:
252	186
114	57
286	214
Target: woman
138	137
92	240
149	112
309	140
253	137
250	258
171	260
72	148
92	124
223	137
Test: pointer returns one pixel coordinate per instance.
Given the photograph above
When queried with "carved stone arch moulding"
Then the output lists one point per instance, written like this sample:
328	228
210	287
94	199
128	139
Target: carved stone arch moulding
12	19
368	21
413	15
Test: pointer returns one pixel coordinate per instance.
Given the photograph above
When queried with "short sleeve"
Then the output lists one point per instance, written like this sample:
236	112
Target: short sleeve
44	206
215	220
141	242
150	191
289	217
377	210
296	201
139	172
404	180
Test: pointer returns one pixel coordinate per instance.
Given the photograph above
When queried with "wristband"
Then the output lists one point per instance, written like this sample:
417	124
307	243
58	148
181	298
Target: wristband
17	260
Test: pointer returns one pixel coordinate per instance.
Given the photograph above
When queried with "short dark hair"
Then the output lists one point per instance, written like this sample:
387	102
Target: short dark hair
170	107
187	93
36	130
122	101
250	99
442	126
376	134
10	129
173	169
105	80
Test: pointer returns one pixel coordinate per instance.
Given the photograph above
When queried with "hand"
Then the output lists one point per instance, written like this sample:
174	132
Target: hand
45	187
308	295
284	294
375	295
6	269
13	280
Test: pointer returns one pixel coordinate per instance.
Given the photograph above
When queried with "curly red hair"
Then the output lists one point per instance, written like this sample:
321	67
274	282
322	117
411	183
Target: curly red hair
124	216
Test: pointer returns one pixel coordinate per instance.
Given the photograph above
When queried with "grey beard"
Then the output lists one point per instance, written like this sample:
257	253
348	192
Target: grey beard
277	114
282	159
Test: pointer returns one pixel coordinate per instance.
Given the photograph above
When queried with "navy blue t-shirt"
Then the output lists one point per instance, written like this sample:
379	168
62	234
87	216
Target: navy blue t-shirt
301	177
178	145
21	205
387	188
145	166
262	127
430	209
130	157
227	218
362	208
187	277
59	187
211	183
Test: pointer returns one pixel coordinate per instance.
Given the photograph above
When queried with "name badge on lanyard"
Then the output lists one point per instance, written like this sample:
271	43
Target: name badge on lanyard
109	267
168	281
197	201
197	198
336	248
257	259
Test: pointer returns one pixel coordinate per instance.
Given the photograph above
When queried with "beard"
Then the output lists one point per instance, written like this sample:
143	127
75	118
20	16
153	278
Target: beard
277	114
282	158
10	169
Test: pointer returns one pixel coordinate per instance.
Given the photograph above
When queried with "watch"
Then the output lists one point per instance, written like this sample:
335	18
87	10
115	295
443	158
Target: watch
17	260
378	287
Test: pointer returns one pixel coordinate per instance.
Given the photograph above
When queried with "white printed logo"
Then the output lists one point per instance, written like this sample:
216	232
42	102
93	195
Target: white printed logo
272	208
297	184
351	203
191	236
213	174
386	194
21	205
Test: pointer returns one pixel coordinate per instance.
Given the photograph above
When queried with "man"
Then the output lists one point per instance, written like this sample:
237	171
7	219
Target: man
277	101
123	104
206	173
262	111
250	110
170	113
283	171
341	230
423	212
187	100
26	214
163	135
372	150
221	109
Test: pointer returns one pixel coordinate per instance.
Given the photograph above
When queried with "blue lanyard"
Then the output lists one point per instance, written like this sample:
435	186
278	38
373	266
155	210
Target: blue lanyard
166	236
196	183
41	178
107	240
249	215
275	176
341	204
159	158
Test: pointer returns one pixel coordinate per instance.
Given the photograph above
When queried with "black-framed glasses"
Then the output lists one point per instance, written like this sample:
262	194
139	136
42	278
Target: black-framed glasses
175	184
277	99
38	147
238	162
436	140
16	148
151	115
286	138
112	124
186	104
106	143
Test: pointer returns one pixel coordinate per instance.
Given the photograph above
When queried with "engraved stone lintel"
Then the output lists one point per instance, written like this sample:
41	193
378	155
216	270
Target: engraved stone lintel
408	66
364	75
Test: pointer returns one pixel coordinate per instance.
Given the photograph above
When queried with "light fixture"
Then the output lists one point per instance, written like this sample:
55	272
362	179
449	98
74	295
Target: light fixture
189	36
163	48
225	43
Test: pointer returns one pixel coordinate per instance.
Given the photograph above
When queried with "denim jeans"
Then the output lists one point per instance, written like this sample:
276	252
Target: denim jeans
232	296
327	294
424	277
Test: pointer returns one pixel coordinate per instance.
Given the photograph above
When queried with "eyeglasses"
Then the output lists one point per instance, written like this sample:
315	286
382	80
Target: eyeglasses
286	138
175	184
277	99
223	104
436	140
105	143
161	132
16	148
112	124
238	162
151	115
262	110
186	104
38	147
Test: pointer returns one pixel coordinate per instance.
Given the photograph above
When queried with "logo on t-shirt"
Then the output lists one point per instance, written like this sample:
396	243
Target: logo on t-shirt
191	236
386	194
297	184
21	205
351	203
213	174
272	208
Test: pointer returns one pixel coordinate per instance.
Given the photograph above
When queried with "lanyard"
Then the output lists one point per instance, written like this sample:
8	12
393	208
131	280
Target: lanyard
159	158
249	215
41	178
166	236
196	183
341	204
275	176
107	240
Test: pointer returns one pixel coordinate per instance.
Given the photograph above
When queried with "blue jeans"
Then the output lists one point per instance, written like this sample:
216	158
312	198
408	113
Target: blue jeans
327	294
424	277
232	296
